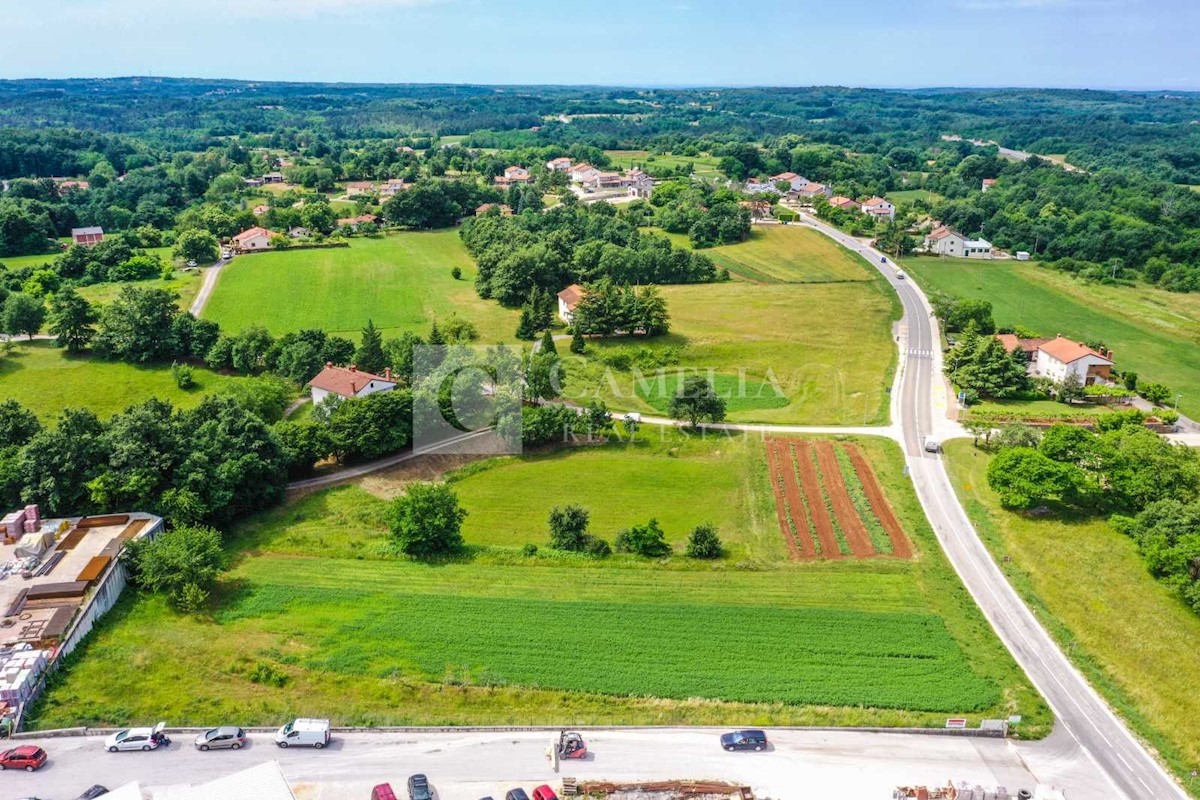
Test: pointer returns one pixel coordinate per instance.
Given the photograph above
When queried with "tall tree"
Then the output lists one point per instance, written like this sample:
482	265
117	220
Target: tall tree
23	314
370	356
72	320
696	401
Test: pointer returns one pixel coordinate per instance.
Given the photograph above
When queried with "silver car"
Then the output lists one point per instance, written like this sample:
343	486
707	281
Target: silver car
227	736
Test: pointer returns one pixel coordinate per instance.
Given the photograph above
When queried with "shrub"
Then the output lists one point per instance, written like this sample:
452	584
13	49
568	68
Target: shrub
598	547
1155	393
643	540
267	675
1167	416
456	273
530	549
184	378
704	542
427	520
568	528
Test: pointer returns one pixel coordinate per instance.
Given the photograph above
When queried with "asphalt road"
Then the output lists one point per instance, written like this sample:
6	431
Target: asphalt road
1133	772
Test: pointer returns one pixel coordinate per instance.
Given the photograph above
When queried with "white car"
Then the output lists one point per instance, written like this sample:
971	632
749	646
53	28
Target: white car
135	739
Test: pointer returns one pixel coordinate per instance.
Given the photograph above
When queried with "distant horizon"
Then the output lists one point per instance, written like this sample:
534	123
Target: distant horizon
635	86
1105	45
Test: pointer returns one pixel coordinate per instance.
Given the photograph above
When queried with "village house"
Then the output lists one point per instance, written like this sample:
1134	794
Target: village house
252	182
252	239
347	382
604	180
797	182
299	232
259	210
844	203
505	210
755	186
582	172
987	184
640	184
353	222
568	301
516	173
88	237
67	185
1059	357
810	190
405	149
759	209
560	164
945	241
355	188
393	187
878	207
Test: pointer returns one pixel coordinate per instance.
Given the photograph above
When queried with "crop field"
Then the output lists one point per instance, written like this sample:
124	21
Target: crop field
319	617
1153	332
47	380
1131	635
783	353
401	282
835	507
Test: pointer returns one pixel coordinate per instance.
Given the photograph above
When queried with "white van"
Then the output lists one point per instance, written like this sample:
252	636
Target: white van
304	733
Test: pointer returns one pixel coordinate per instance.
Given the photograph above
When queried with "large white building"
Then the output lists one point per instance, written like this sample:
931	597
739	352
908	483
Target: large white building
1059	357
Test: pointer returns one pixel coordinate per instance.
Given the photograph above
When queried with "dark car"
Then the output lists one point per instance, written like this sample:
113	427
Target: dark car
93	793
418	788
27	757
516	794
744	740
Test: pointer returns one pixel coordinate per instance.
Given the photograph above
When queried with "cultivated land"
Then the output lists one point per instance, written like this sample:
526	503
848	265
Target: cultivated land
787	254
817	354
46	380
1153	332
401	282
1135	640
316	618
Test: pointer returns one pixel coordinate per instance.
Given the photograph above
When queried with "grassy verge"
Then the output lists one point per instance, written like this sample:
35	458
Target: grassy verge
1130	635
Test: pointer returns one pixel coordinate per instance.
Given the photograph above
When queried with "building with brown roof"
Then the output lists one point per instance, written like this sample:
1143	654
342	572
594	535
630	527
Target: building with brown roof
347	382
255	238
568	301
1059	357
845	203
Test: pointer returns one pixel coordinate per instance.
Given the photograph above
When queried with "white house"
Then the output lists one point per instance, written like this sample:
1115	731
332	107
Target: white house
560	164
945	241
516	174
605	180
253	239
977	248
582	172
349	382
797	182
568	300
987	184
754	186
810	189
640	184
878	207
1060	357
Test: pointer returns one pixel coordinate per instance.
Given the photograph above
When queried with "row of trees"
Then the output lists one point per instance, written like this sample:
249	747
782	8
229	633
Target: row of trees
607	308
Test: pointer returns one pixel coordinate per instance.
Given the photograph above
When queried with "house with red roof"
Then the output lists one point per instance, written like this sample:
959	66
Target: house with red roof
987	184
797	182
878	207
255	238
560	164
347	382
88	237
1059	357
568	301
845	203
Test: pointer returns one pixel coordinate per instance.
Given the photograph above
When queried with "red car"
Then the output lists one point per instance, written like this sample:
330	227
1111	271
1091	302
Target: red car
26	757
544	792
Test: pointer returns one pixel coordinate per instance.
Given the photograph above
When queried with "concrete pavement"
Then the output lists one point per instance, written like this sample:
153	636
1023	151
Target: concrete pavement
206	287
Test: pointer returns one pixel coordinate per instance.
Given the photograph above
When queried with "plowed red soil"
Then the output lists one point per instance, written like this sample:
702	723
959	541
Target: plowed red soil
816	503
901	547
783	505
843	507
795	503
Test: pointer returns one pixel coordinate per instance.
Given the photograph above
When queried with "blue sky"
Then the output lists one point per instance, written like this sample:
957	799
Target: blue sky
1068	43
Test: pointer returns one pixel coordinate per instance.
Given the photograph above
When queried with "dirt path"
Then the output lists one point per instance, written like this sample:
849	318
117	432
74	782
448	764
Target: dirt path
782	503
816	503
901	547
843	506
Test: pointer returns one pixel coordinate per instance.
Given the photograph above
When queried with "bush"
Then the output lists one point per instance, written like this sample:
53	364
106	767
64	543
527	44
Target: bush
267	675
179	563
643	540
456	273
598	547
530	549
568	528
704	542
427	520
184	378
1167	416
1155	393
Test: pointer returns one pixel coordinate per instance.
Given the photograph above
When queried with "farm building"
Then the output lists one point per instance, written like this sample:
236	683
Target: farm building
977	248
273	177
568	300
349	382
88	237
253	239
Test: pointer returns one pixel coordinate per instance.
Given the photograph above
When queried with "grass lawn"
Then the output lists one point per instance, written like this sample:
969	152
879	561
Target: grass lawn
401	282
47	380
316	618
1131	635
704	166
16	262
184	284
904	196
1039	409
826	348
787	254
1153	332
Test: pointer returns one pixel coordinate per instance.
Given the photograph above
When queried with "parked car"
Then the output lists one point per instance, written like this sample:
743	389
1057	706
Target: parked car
418	788
383	792
932	445
544	792
304	733
744	740
26	757
516	794
93	793
135	739
227	736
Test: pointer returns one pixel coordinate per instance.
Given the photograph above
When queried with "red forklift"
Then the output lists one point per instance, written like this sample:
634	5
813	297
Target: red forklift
571	746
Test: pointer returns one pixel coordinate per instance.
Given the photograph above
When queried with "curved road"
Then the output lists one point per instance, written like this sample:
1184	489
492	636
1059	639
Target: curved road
1131	769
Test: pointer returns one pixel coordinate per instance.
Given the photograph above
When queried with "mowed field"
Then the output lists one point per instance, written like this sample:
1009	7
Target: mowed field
1132	636
788	254
317	618
1153	333
401	282
46	380
702	166
819	354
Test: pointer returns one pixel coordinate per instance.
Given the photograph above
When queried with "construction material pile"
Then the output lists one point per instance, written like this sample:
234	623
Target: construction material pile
666	790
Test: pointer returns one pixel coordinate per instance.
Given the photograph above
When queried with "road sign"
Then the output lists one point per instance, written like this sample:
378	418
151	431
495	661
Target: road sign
956	723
